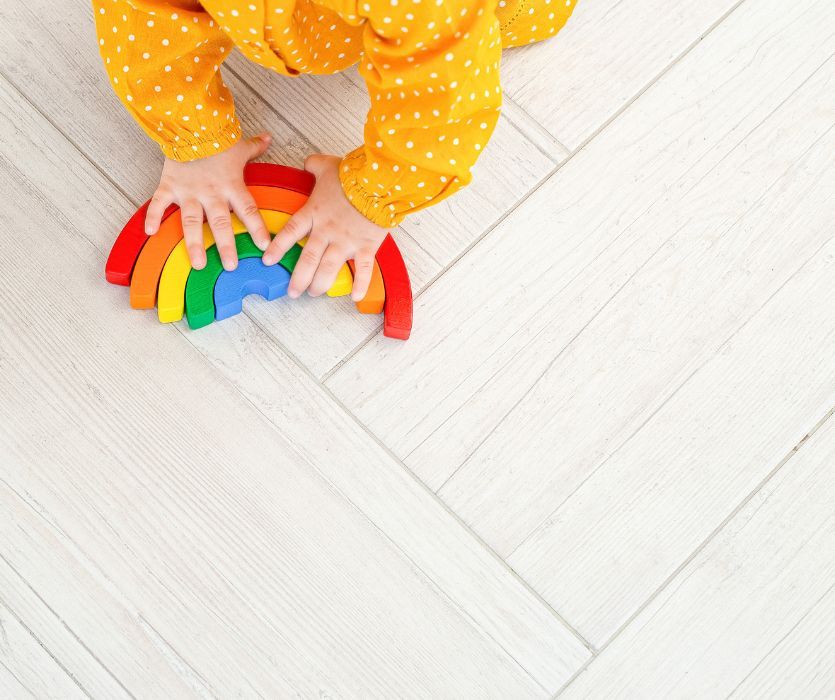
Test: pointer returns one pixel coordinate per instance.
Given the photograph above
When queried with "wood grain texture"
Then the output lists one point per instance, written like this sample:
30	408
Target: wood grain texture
469	578
51	651
27	670
192	512
736	606
703	282
590	229
802	663
663	492
605	56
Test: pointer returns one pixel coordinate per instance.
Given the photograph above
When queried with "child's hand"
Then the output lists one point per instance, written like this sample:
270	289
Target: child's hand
214	185
336	232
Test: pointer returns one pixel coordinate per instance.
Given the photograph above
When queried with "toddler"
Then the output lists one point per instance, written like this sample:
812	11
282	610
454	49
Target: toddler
432	72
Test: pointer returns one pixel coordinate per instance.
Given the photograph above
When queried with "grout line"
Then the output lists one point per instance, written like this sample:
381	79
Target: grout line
571	154
442	592
272	109
699	549
43	646
63	624
72	142
418	482
797	624
478	239
350	354
533	132
765	194
581	146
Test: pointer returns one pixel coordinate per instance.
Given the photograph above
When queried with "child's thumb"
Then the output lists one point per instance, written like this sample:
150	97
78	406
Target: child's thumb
258	144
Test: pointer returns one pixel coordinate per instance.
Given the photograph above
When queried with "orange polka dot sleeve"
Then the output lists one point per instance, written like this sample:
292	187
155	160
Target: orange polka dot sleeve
163	59
432	71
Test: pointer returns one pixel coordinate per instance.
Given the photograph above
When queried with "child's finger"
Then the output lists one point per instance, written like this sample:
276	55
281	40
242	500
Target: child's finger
159	203
326	273
220	221
363	268
244	205
306	267
192	218
293	231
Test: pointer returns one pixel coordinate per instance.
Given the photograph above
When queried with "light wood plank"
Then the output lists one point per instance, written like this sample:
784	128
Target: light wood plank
605	56
27	670
701	284
802	663
741	596
590	229
499	606
604	551
53	639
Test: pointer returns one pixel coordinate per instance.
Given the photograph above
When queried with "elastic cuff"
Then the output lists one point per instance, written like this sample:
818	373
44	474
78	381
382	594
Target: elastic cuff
185	150
373	207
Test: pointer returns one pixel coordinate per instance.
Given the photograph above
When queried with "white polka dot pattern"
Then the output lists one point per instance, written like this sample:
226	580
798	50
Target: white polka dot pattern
431	67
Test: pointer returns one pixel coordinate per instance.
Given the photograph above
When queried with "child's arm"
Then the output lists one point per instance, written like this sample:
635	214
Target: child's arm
432	71
163	58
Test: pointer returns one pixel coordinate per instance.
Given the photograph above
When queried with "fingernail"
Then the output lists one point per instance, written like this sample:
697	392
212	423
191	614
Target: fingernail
292	293
268	260
149	230
262	245
229	266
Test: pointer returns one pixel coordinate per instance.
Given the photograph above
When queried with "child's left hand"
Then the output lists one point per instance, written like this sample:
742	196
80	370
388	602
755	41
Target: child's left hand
336	232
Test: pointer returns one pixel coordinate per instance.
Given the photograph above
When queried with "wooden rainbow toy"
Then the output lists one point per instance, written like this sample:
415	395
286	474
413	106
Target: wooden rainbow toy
158	270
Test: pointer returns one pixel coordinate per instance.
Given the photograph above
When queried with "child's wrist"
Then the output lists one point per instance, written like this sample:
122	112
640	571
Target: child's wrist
183	149
374	207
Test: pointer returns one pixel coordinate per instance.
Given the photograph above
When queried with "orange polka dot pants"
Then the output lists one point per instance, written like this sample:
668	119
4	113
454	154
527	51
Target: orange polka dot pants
528	21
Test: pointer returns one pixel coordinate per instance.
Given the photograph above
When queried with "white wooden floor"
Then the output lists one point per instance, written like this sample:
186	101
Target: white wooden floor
603	466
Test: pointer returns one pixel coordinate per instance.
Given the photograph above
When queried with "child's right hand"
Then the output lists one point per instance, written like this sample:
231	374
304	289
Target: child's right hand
214	185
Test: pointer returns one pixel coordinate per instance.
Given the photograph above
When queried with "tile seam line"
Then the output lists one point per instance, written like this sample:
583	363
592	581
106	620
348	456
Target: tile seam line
687	379
130	199
434	498
702	546
583	144
6	78
555	158
776	644
62	623
536	187
18	680
55	527
43	646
